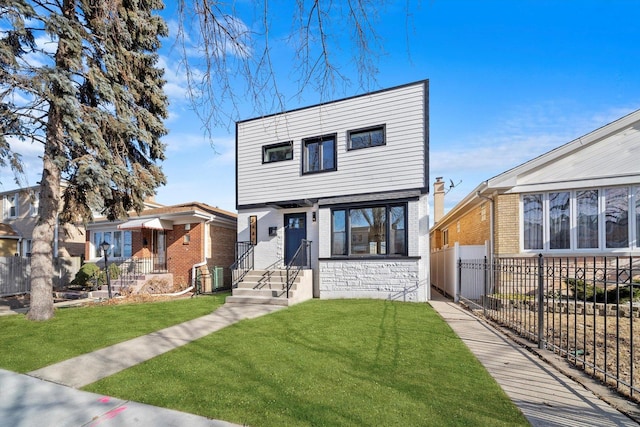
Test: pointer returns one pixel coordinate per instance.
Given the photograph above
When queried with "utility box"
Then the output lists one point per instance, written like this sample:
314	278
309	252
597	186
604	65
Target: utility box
217	274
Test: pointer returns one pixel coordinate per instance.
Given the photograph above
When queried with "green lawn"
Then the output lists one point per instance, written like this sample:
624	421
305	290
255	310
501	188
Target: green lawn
26	345
334	362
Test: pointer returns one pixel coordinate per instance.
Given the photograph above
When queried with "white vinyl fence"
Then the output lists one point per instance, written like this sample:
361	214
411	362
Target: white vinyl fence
444	268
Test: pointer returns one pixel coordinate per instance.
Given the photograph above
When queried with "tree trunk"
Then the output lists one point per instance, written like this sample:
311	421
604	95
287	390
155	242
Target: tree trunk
42	268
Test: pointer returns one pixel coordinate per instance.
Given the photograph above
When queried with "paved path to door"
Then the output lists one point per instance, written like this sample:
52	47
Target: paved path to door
544	395
91	367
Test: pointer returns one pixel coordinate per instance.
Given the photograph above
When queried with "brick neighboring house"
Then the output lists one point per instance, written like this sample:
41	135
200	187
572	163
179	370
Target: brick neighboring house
175	240
580	199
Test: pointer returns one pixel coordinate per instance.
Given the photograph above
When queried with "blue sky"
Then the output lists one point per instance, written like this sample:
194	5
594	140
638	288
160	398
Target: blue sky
509	80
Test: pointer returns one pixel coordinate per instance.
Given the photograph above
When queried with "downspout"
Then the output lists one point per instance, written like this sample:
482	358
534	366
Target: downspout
491	226
491	237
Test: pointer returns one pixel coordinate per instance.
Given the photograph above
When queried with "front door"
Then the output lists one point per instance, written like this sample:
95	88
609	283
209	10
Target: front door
159	251
295	230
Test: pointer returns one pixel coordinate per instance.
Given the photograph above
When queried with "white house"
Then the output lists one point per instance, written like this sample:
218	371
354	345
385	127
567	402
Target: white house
350	176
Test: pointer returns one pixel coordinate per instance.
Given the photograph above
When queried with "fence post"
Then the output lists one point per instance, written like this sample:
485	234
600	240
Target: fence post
486	290
459	282
540	301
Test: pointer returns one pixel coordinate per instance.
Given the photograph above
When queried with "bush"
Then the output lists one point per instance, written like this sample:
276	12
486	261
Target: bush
91	277
620	294
88	276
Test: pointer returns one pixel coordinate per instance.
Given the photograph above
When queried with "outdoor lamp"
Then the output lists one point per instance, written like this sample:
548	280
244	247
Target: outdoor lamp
105	247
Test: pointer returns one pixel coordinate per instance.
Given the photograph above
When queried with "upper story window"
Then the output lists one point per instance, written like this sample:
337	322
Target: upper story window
34	204
369	231
589	219
319	154
277	152
369	137
11	205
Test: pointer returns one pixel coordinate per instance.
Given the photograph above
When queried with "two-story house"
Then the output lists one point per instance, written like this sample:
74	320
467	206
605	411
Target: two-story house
348	176
19	217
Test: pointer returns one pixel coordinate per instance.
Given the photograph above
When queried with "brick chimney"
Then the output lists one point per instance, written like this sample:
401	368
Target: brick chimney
438	199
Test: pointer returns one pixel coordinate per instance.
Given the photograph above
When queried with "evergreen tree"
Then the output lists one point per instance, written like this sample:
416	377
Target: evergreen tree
80	77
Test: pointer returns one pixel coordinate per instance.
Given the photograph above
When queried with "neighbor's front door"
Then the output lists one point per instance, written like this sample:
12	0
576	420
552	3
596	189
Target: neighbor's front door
295	230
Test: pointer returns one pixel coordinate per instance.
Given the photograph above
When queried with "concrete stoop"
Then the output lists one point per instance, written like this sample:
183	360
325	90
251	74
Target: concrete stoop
270	287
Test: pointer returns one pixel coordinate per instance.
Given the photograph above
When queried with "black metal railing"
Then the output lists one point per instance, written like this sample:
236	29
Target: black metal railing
585	309
300	260
243	263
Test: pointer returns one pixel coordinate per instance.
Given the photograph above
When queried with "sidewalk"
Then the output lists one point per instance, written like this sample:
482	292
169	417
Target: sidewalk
544	395
45	397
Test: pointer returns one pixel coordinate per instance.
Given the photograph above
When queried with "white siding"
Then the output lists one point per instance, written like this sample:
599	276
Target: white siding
398	165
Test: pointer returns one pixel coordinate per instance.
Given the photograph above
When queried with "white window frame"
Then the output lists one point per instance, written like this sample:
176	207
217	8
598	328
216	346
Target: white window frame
98	236
633	209
12	201
34	204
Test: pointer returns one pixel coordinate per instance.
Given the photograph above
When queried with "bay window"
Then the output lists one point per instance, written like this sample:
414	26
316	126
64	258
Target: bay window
369	231
585	219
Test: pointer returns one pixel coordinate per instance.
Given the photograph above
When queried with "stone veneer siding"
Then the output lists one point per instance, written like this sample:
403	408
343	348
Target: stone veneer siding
383	279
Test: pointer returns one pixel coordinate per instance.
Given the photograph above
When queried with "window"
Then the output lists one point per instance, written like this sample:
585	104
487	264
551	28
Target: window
121	246
369	231
277	152
34	204
445	237
11	205
559	221
364	138
637	207
616	215
592	219
27	247
587	207
319	154
532	220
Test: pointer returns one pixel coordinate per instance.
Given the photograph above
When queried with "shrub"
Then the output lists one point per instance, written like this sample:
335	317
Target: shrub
88	276
614	294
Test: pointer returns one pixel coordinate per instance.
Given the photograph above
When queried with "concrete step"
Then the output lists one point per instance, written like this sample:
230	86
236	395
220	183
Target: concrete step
256	285
256	300
272	293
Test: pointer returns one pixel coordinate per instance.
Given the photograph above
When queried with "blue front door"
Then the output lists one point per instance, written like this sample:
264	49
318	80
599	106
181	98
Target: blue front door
295	230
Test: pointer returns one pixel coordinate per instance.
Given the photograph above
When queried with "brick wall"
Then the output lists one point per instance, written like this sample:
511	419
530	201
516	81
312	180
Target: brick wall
223	242
183	253
507	240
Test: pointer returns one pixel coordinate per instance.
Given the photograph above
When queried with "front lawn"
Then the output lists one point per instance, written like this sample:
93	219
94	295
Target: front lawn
335	362
73	331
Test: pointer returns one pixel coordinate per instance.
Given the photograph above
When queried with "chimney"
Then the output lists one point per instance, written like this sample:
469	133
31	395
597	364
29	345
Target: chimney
438	199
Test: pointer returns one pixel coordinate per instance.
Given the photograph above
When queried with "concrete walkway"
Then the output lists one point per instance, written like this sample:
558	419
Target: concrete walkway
47	397
544	395
91	367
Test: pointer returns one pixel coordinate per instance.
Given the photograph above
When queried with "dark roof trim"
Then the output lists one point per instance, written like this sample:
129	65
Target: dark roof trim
423	82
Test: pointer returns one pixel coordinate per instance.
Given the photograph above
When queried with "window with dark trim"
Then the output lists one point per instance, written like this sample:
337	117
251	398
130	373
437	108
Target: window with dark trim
319	154
378	230
277	152
369	137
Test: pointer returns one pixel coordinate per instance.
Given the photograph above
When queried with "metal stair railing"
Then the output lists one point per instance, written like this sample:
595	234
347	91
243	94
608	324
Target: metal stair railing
302	258
243	263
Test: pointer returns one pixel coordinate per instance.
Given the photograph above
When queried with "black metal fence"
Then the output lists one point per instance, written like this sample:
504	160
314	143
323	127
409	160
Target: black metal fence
243	263
586	309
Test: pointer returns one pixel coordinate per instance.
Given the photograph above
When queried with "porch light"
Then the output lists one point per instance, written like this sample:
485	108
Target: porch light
105	247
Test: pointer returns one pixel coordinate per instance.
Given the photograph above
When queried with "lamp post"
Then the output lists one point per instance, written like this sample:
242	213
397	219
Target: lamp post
105	247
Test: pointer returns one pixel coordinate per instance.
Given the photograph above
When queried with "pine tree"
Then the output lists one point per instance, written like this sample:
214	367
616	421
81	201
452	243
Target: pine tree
81	78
